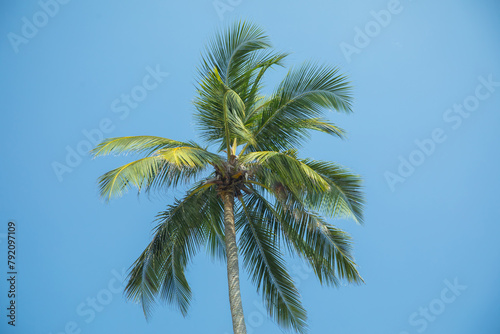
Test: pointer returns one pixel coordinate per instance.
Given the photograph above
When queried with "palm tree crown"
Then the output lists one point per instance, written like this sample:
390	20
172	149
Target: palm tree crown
253	196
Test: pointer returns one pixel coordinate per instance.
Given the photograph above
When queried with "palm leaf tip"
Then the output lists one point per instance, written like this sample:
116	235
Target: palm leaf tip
142	285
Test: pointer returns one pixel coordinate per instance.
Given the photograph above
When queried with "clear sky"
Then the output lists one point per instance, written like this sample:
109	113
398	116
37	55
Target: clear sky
424	135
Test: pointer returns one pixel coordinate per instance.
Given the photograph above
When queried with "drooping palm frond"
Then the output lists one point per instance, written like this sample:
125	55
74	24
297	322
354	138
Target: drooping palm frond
144	281
140	173
320	125
305	93
168	167
334	246
321	185
159	273
214	225
344	197
326	248
263	260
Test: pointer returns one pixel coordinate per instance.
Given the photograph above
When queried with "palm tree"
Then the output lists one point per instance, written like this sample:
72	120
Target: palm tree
251	195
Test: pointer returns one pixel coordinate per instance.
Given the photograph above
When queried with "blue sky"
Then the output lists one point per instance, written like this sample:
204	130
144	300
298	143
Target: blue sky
424	135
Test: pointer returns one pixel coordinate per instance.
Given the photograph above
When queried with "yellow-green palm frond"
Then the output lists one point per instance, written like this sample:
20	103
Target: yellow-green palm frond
168	167
285	168
133	144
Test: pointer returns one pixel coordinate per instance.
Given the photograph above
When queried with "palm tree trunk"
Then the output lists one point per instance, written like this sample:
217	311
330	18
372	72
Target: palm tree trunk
233	275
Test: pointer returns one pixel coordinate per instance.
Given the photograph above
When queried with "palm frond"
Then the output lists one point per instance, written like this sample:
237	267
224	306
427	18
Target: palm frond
143	281
231	49
209	104
344	197
322	186
141	174
189	156
306	92
261	64
214	226
169	167
263	260
159	273
231	71
284	167
325	247
133	144
320	125
234	114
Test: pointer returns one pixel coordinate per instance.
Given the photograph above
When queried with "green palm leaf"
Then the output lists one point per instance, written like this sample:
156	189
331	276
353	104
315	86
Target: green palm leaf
326	248
286	168
135	144
263	259
305	93
160	270
231	49
230	75
344	197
